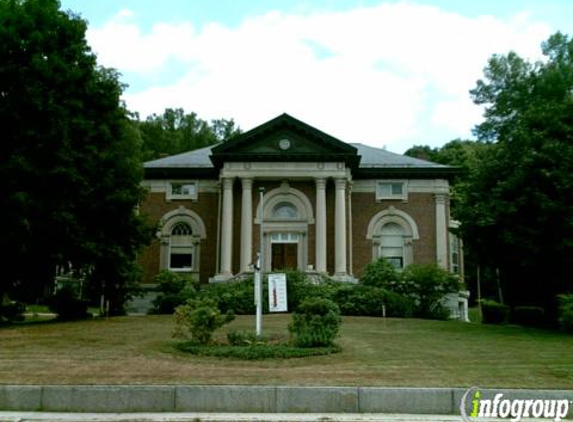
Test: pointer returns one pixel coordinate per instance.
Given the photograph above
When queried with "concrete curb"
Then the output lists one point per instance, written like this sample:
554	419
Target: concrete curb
249	399
223	417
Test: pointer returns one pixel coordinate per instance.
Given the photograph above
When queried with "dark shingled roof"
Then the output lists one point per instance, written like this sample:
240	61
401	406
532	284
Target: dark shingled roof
364	161
380	158
371	158
198	158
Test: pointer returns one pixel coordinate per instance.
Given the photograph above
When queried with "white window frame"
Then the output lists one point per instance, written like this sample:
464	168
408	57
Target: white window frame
167	222
192	196
191	245
403	196
402	247
284	237
455	250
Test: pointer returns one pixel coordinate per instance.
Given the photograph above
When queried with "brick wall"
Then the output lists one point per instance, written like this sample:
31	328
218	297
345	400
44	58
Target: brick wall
420	206
155	207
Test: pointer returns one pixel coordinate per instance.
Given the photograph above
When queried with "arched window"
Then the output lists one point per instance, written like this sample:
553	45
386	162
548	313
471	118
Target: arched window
392	244
181	249
285	210
392	232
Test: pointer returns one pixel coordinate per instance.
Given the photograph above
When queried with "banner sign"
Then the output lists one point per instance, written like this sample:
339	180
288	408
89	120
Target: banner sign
277	293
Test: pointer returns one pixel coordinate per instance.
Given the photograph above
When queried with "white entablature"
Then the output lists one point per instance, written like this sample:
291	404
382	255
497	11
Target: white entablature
285	170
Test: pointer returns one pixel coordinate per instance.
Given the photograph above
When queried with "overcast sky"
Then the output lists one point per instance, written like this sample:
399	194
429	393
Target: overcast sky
384	73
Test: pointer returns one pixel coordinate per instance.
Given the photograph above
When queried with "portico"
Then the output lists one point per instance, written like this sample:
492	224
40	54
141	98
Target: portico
288	217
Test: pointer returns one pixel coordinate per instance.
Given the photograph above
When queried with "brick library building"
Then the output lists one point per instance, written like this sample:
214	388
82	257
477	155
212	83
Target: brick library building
309	201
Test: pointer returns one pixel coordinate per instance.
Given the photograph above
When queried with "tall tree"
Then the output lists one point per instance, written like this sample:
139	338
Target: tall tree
69	156
461	153
423	152
516	207
174	132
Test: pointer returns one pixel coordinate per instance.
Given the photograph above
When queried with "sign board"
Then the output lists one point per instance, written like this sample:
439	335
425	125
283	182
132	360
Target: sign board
277	292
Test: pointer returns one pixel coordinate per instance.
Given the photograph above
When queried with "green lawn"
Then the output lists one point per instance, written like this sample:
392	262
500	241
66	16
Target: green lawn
376	352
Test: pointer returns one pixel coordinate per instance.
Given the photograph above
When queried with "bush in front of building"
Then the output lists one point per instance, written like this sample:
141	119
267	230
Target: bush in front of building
174	290
238	296
381	273
315	323
428	284
361	300
493	312
235	296
352	299
528	316
197	320
418	290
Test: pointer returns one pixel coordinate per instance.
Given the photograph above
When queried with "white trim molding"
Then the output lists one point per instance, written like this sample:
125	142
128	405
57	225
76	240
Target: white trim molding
393	215
191	186
167	222
285	193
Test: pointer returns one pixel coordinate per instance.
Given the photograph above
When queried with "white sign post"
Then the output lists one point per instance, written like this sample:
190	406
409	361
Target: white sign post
258	298
259	271
277	293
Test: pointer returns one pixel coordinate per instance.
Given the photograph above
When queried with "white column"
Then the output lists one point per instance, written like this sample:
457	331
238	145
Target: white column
227	229
246	224
320	225
340	228
441	231
349	232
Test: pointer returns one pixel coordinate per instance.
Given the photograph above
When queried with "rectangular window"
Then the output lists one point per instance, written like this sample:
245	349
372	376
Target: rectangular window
182	190
181	254
392	189
454	254
181	261
396	261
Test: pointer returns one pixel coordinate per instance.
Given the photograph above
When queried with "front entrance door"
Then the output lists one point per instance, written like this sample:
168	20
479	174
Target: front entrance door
284	256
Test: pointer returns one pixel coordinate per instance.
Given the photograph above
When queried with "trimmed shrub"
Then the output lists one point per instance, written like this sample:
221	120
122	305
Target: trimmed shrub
245	338
174	290
67	305
256	351
566	312
380	273
529	316
198	320
427	285
236	297
360	300
315	323
398	305
298	287
493	312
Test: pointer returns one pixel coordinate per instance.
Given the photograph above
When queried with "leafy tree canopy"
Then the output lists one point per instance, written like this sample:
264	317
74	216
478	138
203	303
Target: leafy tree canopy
466	154
516	206
175	132
69	157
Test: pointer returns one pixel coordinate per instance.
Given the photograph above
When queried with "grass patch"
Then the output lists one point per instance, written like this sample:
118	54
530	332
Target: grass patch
375	352
473	314
255	351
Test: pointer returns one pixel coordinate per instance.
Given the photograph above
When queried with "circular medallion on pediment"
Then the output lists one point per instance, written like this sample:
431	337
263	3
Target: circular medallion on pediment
284	144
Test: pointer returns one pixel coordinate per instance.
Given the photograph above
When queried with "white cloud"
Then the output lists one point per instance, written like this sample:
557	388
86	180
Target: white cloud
120	44
392	75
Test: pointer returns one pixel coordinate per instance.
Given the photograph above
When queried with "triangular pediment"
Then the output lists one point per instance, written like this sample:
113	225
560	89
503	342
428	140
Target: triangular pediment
285	138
